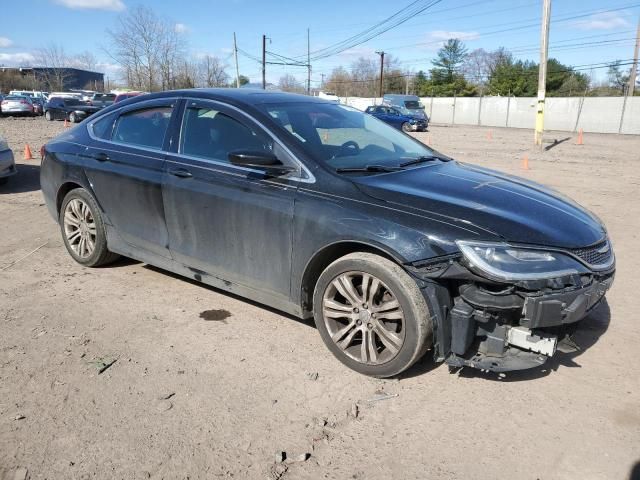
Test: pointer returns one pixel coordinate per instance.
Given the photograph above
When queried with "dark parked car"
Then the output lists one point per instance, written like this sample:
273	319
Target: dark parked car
38	106
396	119
72	109
102	100
320	210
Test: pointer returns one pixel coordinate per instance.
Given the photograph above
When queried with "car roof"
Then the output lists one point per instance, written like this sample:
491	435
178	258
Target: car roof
247	96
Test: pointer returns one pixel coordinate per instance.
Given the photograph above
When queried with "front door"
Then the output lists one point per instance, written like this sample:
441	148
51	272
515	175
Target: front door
231	222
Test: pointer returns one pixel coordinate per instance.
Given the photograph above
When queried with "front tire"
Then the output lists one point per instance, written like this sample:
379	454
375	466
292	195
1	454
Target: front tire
83	230
73	117
406	127
371	315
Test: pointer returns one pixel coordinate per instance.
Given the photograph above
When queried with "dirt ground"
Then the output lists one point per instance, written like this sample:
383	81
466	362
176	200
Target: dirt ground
220	396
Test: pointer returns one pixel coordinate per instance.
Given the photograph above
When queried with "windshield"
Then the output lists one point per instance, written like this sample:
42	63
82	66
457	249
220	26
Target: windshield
343	137
413	105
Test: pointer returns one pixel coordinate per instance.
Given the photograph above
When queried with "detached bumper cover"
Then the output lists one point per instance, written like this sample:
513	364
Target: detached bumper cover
7	164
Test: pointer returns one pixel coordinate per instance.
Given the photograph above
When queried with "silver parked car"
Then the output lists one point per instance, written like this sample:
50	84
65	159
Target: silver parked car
17	105
7	164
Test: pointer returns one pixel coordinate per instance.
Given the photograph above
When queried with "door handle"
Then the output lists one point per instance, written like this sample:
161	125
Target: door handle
101	157
180	172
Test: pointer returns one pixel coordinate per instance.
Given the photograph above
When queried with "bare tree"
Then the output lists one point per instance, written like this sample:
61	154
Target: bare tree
289	83
55	62
85	60
479	65
148	48
212	72
339	82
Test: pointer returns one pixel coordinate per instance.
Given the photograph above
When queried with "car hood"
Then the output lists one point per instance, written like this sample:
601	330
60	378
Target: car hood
515	209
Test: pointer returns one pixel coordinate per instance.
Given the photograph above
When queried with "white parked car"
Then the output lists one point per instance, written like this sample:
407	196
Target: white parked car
7	163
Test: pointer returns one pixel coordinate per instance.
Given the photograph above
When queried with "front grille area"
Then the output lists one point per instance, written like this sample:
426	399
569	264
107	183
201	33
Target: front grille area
592	256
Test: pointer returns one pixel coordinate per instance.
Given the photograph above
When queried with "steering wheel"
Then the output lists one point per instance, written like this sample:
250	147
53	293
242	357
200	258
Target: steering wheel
348	148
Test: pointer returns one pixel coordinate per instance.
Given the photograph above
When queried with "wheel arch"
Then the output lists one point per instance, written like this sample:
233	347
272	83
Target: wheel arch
327	255
62	192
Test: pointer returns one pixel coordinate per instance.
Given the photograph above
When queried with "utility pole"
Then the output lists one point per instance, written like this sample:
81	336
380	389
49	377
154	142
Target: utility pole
634	68
235	53
308	64
264	62
542	71
322	80
381	89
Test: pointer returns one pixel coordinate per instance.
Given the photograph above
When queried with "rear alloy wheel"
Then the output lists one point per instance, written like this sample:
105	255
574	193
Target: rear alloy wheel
73	118
83	230
406	127
371	314
48	115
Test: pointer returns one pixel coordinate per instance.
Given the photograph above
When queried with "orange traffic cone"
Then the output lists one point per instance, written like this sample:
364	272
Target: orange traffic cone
580	139
489	135
525	162
27	152
66	123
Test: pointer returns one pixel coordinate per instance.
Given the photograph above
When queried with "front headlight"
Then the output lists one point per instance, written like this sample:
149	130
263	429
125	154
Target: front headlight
501	261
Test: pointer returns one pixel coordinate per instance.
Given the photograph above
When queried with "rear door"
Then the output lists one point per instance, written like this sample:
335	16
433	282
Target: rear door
125	165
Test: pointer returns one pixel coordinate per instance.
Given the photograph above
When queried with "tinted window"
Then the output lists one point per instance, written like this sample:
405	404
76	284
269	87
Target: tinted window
412	104
104	127
328	132
72	102
145	127
211	134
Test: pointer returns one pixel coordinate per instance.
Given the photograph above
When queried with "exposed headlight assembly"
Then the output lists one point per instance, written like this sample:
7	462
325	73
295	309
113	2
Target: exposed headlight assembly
501	261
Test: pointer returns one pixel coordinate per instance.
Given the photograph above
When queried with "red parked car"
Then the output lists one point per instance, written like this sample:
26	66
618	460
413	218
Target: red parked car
124	96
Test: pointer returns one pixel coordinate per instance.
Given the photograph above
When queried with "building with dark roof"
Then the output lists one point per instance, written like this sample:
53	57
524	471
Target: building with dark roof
59	78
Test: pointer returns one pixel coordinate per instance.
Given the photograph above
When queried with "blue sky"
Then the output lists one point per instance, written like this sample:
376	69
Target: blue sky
208	25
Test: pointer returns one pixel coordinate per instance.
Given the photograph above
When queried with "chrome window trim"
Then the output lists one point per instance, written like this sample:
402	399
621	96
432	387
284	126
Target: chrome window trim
310	178
127	108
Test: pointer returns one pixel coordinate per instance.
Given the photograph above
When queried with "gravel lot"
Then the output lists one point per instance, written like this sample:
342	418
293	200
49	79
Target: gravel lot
194	398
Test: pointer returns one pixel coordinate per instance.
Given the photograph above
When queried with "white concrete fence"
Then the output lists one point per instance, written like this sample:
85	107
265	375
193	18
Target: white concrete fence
591	114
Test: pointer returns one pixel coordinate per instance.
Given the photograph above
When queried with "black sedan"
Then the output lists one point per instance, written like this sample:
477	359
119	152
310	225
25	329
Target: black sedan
72	109
323	211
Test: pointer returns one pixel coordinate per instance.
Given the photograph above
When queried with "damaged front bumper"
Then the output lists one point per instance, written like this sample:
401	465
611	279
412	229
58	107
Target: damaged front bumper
502	327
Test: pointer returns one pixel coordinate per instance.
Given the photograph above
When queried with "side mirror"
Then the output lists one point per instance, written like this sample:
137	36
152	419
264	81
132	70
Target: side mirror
260	161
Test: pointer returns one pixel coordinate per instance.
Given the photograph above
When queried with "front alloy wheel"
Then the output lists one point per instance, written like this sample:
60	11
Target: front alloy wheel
371	314
363	317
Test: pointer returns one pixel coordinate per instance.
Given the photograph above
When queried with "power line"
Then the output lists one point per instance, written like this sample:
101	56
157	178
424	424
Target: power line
393	21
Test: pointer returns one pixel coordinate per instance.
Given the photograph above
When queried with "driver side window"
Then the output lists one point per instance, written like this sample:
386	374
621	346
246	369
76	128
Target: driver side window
211	134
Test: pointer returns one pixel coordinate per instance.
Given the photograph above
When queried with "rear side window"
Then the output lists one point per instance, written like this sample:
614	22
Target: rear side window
146	127
104	127
212	134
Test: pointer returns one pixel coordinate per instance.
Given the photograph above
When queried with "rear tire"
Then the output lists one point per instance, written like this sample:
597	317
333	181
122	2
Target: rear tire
371	315
83	231
48	115
73	118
